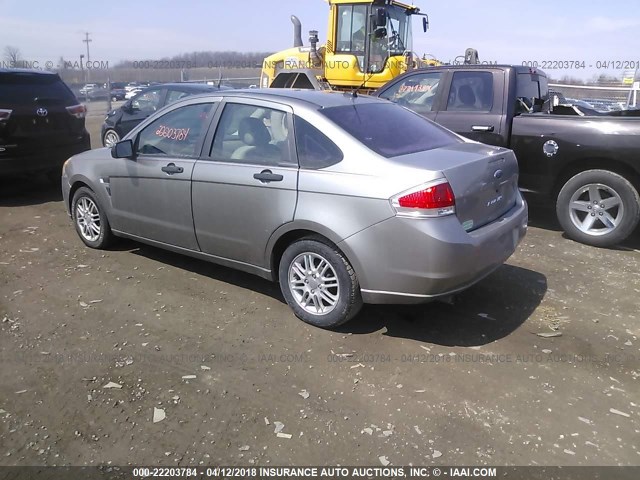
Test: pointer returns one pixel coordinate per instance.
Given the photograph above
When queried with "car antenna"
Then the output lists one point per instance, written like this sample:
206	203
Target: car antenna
219	77
354	92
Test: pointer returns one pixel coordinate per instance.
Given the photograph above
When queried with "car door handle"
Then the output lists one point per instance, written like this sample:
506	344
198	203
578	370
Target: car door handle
172	168
267	176
482	128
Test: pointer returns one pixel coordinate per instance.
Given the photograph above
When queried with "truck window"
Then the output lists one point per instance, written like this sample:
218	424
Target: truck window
531	89
352	28
471	92
416	92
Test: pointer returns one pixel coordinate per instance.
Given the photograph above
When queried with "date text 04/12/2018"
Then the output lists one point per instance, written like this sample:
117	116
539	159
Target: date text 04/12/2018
582	64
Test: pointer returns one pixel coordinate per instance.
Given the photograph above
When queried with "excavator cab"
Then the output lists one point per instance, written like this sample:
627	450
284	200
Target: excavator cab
369	42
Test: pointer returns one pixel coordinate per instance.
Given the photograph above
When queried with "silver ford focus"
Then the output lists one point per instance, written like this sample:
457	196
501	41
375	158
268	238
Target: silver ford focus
343	199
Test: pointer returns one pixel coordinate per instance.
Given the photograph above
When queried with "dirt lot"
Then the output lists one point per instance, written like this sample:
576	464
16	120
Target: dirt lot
223	358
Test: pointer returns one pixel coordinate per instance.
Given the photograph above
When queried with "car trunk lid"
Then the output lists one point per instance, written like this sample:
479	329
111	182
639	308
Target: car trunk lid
484	179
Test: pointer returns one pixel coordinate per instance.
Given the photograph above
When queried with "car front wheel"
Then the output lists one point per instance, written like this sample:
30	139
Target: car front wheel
598	208
110	138
319	283
90	220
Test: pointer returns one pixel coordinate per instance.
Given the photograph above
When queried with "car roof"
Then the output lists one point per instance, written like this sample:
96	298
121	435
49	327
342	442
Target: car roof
185	86
301	97
26	70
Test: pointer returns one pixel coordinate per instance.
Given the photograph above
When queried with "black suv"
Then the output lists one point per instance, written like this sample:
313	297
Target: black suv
41	123
122	120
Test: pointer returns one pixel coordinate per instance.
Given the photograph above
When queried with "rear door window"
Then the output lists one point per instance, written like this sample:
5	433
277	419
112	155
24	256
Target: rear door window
253	135
471	92
531	89
315	149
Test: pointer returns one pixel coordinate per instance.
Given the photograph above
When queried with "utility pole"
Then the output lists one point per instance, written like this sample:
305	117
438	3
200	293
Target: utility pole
87	40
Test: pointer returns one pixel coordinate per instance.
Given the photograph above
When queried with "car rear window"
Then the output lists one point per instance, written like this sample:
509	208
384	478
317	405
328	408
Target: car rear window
24	88
388	129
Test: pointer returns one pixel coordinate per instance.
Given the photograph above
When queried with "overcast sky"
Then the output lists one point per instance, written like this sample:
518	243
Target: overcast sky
507	31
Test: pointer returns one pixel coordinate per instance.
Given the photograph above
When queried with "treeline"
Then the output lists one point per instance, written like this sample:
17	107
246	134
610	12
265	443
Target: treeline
203	59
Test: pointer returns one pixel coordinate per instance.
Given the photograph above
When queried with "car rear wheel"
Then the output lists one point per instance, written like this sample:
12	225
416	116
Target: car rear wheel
319	283
110	138
89	219
598	207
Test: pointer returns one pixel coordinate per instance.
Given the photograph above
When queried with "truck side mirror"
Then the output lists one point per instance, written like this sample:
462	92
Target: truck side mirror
381	17
379	33
425	23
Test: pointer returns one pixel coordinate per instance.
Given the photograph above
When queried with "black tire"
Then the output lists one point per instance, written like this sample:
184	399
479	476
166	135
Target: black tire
617	189
349	299
105	236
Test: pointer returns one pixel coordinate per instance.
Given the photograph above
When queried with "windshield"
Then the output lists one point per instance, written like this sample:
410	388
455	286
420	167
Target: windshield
388	129
399	31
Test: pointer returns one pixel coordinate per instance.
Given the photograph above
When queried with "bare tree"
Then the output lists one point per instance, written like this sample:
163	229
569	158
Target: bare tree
12	55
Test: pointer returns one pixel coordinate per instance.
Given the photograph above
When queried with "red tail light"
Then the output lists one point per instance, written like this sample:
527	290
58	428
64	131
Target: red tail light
435	200
5	114
78	111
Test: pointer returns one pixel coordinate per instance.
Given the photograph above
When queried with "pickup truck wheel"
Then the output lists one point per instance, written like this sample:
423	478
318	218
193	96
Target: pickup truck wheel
318	283
598	207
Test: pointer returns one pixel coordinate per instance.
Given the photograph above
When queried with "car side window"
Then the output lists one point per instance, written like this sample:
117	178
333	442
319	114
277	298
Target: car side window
147	102
176	133
253	135
471	92
175	95
315	149
417	92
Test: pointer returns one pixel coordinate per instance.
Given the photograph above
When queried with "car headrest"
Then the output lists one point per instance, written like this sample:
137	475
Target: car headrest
253	132
466	95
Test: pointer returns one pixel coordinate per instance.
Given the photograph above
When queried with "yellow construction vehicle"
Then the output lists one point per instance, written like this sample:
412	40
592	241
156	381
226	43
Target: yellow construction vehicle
369	42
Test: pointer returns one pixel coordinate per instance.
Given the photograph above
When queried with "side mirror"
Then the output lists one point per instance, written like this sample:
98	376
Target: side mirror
123	149
425	23
379	33
381	17
126	107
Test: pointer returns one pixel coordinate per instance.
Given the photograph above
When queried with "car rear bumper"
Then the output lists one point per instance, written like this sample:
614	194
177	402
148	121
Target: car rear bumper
49	158
404	260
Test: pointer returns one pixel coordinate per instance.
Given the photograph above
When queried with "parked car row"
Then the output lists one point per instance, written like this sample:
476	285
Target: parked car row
144	102
252	179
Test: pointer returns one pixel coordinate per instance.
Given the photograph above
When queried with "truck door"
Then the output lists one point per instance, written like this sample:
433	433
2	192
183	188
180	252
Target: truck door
474	106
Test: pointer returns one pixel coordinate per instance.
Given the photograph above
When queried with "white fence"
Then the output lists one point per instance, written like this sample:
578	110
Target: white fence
625	96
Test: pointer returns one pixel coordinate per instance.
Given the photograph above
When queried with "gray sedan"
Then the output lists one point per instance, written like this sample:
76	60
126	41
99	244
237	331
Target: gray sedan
343	199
